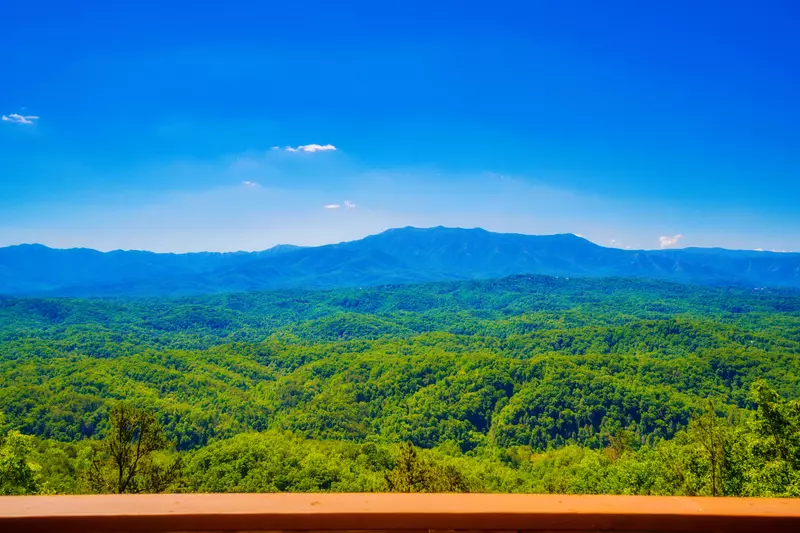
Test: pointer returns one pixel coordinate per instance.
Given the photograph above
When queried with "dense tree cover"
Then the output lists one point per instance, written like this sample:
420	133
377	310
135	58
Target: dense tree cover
742	454
18	474
526	384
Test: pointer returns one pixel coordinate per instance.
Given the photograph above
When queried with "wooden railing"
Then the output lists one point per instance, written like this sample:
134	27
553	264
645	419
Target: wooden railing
393	513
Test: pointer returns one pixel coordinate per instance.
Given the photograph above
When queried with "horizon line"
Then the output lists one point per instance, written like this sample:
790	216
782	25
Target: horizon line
439	227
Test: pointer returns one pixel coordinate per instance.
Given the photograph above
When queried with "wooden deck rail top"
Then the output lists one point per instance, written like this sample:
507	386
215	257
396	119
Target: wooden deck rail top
400	513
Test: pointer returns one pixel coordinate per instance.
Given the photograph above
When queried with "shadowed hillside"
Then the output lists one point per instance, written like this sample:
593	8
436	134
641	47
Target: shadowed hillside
406	255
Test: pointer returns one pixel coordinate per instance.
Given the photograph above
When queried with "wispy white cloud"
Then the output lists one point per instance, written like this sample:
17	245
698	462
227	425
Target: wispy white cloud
618	244
19	119
347	203
666	242
310	148
250	184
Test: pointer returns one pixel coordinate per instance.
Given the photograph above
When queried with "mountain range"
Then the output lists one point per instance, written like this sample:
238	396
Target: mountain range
403	255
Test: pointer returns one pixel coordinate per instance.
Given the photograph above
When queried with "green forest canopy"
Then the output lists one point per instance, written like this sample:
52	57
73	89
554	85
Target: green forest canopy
524	384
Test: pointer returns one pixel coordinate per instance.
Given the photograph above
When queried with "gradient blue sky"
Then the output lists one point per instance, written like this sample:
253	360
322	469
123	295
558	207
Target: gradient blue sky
624	122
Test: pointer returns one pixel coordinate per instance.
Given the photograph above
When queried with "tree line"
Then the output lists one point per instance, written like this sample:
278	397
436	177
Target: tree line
757	455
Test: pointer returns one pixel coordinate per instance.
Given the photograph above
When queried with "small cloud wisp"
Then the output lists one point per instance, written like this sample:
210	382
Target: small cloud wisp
19	119
312	148
250	184
617	244
347	203
666	242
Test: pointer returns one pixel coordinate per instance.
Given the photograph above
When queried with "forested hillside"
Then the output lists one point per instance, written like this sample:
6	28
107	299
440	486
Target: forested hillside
402	255
528	383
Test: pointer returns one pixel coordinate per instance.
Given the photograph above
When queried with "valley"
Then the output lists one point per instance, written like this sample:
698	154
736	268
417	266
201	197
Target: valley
526	383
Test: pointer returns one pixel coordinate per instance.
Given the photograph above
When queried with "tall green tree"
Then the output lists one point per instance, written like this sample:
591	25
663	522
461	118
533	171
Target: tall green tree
709	431
413	473
18	474
125	462
619	442
776	447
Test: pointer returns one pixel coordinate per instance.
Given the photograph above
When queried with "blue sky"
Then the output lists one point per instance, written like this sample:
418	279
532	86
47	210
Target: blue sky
630	123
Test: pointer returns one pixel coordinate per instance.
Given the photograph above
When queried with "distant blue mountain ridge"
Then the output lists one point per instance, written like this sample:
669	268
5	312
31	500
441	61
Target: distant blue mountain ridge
396	256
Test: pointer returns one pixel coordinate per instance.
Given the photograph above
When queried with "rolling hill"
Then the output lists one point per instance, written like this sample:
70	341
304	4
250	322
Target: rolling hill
403	255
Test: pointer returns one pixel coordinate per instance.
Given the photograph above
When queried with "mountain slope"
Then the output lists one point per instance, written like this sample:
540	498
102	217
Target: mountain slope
404	255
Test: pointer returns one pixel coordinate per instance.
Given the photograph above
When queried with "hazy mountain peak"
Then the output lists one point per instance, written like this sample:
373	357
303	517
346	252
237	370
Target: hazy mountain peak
400	255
